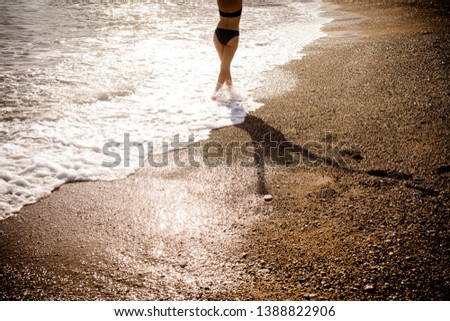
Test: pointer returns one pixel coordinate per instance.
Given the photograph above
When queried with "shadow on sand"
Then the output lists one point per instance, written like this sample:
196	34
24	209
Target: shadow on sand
272	148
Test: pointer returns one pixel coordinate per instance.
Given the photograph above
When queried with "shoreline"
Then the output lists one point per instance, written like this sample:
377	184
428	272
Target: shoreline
13	206
328	234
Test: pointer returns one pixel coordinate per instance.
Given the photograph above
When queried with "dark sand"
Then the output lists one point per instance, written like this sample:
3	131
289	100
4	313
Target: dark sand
361	213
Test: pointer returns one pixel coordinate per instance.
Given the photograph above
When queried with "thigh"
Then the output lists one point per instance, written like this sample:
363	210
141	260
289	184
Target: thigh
229	50
219	46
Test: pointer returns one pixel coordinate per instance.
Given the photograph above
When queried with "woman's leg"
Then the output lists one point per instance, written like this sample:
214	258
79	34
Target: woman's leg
226	54
219	46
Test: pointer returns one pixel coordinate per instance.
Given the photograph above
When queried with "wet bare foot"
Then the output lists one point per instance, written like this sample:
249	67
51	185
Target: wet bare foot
218	87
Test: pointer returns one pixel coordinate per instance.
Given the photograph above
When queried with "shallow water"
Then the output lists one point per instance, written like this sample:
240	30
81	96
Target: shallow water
76	75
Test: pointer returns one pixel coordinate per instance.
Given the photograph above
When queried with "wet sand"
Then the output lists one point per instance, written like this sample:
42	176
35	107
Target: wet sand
360	191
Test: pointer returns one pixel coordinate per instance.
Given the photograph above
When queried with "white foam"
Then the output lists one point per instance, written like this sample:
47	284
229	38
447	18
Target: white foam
151	76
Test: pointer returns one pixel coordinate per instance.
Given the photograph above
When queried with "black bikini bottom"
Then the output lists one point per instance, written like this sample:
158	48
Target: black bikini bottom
225	35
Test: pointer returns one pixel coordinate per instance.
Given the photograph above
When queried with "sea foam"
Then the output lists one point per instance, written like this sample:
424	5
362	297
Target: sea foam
70	86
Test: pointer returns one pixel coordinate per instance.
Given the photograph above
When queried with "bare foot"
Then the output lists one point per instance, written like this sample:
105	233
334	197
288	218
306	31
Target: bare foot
218	87
221	88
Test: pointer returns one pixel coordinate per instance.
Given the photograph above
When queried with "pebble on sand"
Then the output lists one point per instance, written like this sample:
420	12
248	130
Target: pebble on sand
310	296
268	197
369	288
